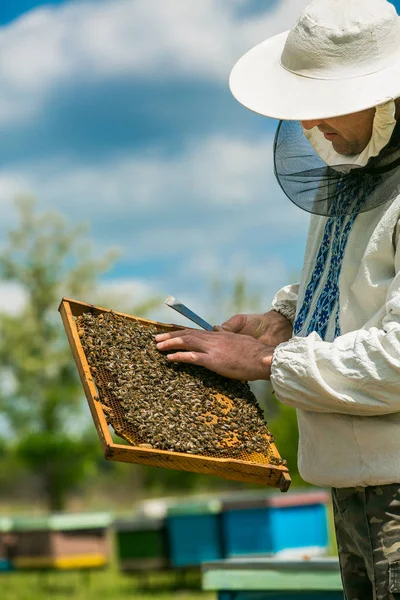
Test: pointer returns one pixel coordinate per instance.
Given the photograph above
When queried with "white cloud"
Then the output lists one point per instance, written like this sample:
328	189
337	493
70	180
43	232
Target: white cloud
11	185
12	297
220	175
147	38
119	294
124	293
202	211
238	264
218	169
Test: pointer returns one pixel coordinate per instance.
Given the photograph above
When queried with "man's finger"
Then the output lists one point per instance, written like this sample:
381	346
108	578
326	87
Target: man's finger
160	337
183	342
194	358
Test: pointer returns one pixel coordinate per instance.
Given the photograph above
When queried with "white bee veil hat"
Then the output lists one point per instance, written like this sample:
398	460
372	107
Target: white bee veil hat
342	56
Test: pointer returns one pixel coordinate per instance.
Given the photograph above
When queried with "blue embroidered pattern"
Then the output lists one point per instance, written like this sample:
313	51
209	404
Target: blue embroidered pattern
333	245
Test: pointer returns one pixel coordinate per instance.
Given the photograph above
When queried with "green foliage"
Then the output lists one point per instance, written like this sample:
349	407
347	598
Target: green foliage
42	401
63	460
285	430
158	481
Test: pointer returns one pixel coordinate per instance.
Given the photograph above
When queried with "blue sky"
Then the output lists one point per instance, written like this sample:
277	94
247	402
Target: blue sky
118	113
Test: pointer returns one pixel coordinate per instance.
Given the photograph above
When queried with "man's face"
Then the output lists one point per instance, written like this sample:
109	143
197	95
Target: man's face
348	134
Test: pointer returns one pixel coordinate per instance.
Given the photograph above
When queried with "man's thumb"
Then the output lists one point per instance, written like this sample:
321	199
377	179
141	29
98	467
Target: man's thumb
234	324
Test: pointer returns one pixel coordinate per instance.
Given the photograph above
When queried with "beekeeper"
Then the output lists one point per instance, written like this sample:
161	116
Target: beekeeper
331	345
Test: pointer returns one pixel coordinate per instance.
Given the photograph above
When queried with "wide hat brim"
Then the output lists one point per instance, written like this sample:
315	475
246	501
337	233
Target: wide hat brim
263	85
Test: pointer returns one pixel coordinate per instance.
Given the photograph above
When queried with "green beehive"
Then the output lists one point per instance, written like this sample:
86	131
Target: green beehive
275	579
141	544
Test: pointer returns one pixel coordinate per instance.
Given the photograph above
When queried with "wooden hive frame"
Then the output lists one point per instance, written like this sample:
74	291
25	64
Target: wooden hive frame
228	468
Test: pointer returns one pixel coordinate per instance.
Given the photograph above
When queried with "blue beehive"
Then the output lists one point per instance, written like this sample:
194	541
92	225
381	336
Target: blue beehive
194	533
271	524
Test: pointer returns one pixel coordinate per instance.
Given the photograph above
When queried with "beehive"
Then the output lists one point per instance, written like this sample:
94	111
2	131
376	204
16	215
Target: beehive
262	467
61	541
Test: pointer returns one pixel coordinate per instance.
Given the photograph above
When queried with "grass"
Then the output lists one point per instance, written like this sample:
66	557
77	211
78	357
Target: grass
104	585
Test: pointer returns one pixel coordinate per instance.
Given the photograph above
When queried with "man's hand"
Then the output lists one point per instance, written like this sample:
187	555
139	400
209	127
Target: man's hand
236	356
271	328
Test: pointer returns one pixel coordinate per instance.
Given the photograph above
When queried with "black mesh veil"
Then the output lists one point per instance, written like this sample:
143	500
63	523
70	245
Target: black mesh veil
333	191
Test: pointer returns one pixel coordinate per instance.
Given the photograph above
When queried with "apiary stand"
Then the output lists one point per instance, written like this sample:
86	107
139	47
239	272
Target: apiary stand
251	471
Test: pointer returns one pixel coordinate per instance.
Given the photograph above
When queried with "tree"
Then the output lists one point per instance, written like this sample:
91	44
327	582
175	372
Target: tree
41	398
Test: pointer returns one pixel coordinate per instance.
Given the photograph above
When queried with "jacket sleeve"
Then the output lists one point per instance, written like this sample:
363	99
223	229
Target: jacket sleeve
356	374
285	301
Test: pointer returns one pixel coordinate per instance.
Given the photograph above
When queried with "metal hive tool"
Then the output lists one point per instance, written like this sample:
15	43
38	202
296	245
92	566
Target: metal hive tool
263	467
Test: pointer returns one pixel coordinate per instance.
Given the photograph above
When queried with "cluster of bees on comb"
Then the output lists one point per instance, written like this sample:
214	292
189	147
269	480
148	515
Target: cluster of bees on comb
169	406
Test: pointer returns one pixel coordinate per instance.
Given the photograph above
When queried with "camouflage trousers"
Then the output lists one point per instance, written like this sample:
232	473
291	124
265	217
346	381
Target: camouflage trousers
367	523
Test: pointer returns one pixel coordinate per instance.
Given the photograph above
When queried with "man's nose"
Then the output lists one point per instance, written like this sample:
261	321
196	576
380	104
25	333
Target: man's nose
311	124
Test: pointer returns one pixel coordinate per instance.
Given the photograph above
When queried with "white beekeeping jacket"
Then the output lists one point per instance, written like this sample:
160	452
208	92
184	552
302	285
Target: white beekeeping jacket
347	389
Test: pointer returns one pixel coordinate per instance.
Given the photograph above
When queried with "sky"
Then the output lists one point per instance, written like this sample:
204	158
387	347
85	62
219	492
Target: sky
118	114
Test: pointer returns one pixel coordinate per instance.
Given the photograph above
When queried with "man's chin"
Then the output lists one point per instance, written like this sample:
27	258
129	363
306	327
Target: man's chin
343	149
